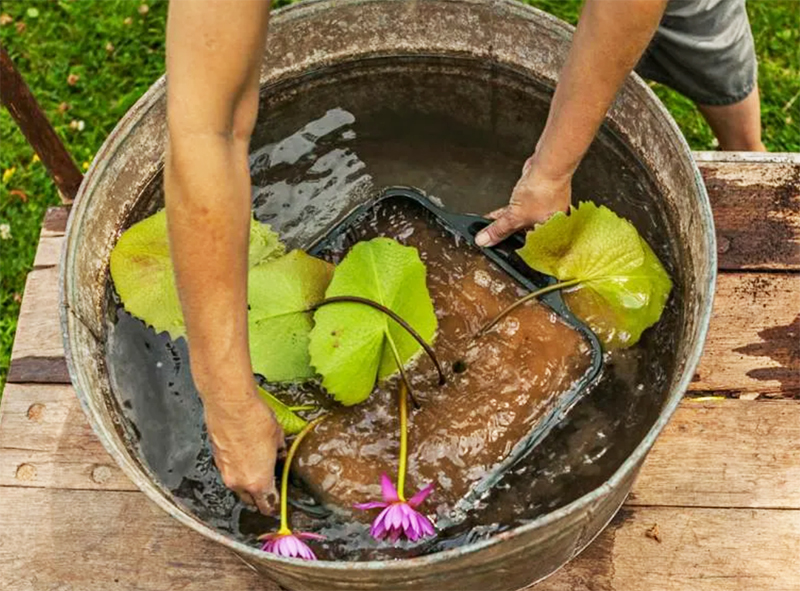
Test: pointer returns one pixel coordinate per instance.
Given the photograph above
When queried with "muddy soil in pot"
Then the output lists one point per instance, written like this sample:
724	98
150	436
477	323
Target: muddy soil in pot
460	131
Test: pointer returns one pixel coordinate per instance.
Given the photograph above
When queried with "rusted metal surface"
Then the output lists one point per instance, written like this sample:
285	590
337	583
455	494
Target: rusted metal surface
306	38
23	107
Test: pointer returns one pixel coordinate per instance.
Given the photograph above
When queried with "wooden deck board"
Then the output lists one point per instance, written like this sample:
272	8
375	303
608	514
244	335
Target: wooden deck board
753	346
108	540
753	343
126	542
700	550
724	453
722	482
756	209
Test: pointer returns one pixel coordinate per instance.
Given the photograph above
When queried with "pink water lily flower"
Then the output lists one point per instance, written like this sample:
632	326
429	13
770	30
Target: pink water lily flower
399	517
290	545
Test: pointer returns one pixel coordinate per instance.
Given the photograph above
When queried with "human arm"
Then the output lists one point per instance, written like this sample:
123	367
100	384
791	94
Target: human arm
214	53
610	38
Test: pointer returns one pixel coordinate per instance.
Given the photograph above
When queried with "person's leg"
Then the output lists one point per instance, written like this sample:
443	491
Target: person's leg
704	49
737	126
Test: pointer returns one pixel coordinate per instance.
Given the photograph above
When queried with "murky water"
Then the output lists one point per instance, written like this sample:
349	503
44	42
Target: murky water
499	387
460	132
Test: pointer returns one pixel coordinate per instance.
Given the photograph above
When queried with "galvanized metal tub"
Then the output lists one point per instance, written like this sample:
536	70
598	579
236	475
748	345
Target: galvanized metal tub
307	38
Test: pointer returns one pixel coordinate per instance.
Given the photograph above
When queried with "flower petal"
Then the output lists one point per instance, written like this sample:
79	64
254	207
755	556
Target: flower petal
379	526
290	545
426	526
388	490
421	495
414	527
370	505
397	515
310	536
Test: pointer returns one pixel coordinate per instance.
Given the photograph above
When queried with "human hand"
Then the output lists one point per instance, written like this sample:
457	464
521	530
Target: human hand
535	198
245	438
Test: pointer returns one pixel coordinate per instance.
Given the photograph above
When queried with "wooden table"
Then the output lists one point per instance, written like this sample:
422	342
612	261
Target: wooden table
722	484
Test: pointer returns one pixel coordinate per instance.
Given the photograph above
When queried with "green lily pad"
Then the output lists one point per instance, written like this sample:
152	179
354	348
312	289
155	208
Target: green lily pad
280	293
288	420
353	345
621	286
143	274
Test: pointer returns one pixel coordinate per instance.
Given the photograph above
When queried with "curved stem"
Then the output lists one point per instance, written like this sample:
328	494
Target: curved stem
393	315
534	294
285	474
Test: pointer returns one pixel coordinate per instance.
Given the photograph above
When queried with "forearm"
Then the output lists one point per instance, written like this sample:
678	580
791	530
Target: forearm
610	38
207	184
214	52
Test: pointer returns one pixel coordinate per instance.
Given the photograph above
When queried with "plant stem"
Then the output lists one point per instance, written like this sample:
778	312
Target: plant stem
402	464
534	294
405	391
285	474
394	316
403	376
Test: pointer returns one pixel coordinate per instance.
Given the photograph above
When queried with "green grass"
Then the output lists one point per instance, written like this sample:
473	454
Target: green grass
66	37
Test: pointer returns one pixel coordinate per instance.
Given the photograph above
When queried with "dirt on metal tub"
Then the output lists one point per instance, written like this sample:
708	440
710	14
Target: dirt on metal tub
448	96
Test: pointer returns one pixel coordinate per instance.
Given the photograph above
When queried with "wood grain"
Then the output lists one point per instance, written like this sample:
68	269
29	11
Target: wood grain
38	331
55	220
757	214
51	239
700	550
726	453
38	353
41	370
753	344
46	442
93	540
48	253
106	540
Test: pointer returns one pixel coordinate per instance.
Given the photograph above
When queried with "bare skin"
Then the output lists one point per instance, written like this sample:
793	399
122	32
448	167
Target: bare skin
737	126
214	51
610	38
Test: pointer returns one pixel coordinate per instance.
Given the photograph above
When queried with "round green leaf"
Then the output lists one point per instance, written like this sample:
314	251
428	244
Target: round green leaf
352	344
142	271
623	286
280	293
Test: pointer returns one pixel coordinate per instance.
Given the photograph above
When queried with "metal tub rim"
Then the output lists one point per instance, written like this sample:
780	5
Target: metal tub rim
158	495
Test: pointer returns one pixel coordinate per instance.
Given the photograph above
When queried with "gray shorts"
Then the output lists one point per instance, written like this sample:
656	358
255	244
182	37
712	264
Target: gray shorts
703	49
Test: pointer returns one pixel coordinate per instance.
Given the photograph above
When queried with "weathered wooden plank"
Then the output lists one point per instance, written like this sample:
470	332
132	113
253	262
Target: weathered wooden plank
757	213
90	539
46	442
48	253
38	353
41	370
101	540
726	453
712	454
753	345
700	550
55	221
